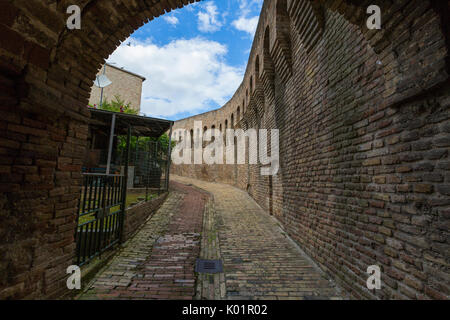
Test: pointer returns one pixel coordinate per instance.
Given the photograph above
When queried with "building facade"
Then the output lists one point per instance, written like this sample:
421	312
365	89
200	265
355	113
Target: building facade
126	84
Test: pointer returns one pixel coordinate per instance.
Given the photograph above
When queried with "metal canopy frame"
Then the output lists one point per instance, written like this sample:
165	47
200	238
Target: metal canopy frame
142	126
123	123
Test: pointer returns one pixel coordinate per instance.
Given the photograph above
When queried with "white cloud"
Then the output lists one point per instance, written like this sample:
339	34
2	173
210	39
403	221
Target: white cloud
171	19
208	19
248	4
246	24
182	76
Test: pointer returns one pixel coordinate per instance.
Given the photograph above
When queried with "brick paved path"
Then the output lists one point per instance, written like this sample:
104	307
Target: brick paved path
260	262
158	263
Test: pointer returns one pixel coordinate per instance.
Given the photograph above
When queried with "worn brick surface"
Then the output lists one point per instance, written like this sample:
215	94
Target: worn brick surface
123	268
363	148
44	90
157	263
363	119
260	261
137	215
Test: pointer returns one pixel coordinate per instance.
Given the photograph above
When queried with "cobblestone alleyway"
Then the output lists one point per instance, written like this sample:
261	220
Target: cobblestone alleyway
260	262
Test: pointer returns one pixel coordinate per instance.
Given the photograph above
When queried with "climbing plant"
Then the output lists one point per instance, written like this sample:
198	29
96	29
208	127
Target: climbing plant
116	105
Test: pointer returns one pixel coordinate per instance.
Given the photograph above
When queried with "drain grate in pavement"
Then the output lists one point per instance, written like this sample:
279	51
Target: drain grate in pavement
208	266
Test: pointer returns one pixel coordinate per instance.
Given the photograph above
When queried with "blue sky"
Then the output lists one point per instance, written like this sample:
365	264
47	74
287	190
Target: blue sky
194	58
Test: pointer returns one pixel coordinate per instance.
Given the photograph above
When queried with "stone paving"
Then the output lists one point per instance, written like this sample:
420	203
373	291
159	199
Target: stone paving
210	286
260	261
210	221
158	263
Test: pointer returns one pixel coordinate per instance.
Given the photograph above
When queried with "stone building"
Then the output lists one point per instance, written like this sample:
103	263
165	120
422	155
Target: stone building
126	84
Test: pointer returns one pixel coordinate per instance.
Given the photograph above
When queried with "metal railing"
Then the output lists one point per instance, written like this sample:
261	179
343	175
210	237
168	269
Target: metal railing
100	215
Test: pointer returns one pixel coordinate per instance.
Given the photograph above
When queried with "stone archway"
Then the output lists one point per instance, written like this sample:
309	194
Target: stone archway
46	75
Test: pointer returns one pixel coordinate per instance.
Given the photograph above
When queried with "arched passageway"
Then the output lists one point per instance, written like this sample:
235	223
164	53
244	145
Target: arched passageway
47	72
366	183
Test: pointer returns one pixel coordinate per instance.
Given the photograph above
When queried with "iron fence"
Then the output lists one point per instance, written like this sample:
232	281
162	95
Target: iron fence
100	215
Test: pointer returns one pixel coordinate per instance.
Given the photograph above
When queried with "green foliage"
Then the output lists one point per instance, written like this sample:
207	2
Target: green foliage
114	105
164	142
144	143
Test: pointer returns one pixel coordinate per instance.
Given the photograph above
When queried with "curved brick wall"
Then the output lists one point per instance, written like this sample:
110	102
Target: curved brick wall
364	139
364	146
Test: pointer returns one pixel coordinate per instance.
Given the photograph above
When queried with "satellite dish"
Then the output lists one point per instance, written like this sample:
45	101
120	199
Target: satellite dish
102	81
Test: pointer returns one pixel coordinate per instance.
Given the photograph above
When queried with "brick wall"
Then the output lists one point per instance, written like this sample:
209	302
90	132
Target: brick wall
46	74
364	139
136	215
40	162
363	117
125	84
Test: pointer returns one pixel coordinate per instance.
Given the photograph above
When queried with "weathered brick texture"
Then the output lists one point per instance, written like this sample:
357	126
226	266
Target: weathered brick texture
364	131
364	139
46	73
137	215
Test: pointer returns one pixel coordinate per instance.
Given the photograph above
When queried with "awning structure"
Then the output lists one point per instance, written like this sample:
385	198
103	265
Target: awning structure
117	123
142	126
